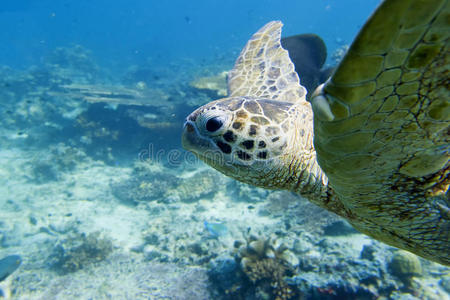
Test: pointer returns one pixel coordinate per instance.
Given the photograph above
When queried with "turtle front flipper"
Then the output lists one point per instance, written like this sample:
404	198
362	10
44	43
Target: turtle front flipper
264	69
385	146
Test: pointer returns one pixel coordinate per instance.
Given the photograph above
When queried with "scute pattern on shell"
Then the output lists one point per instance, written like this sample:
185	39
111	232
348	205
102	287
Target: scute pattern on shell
386	152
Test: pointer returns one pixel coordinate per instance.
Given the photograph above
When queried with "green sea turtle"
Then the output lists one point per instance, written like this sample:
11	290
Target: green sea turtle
372	145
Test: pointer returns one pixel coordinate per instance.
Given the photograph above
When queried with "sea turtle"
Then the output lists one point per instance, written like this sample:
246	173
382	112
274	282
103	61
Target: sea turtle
372	145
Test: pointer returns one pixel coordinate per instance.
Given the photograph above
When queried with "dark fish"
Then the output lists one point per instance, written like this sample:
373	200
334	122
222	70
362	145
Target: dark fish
308	52
8	265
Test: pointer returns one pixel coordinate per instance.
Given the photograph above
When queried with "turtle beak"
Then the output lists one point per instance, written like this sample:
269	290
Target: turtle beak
188	136
191	140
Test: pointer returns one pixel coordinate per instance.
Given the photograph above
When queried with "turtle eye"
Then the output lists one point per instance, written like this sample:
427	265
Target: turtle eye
214	124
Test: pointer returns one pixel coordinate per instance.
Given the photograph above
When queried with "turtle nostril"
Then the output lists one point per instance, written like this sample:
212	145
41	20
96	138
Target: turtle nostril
189	128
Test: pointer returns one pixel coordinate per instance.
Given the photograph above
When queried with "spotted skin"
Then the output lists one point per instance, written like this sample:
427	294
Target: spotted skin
379	128
255	143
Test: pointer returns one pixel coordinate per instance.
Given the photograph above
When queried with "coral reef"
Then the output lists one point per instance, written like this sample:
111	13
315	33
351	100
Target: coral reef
321	268
227	279
405	266
114	95
78	251
215	86
59	158
177	240
266	263
75	63
168	281
72	137
118	277
146	188
291	208
339	227
246	193
146	185
200	185
445	283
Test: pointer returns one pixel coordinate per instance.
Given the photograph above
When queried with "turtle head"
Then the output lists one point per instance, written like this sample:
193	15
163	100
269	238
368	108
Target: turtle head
244	138
262	134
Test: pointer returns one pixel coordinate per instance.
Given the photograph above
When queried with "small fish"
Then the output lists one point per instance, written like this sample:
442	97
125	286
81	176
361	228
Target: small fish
216	229
8	265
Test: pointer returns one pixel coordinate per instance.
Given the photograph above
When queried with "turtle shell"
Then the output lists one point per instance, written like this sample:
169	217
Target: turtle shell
382	123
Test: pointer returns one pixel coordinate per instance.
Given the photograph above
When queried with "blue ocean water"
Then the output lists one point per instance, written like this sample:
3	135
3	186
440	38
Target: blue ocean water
126	32
98	200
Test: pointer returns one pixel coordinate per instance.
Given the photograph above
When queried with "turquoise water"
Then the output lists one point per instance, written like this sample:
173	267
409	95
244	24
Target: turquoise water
126	32
100	201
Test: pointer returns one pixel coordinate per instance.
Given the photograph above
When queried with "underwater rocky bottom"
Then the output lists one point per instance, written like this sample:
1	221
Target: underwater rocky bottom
99	202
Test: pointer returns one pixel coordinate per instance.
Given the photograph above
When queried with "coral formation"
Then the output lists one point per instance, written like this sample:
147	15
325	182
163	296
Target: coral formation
143	189
114	94
202	184
215	85
148	185
339	228
445	283
174	239
77	251
227	279
118	277
74	62
246	193
405	266
58	159
265	261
